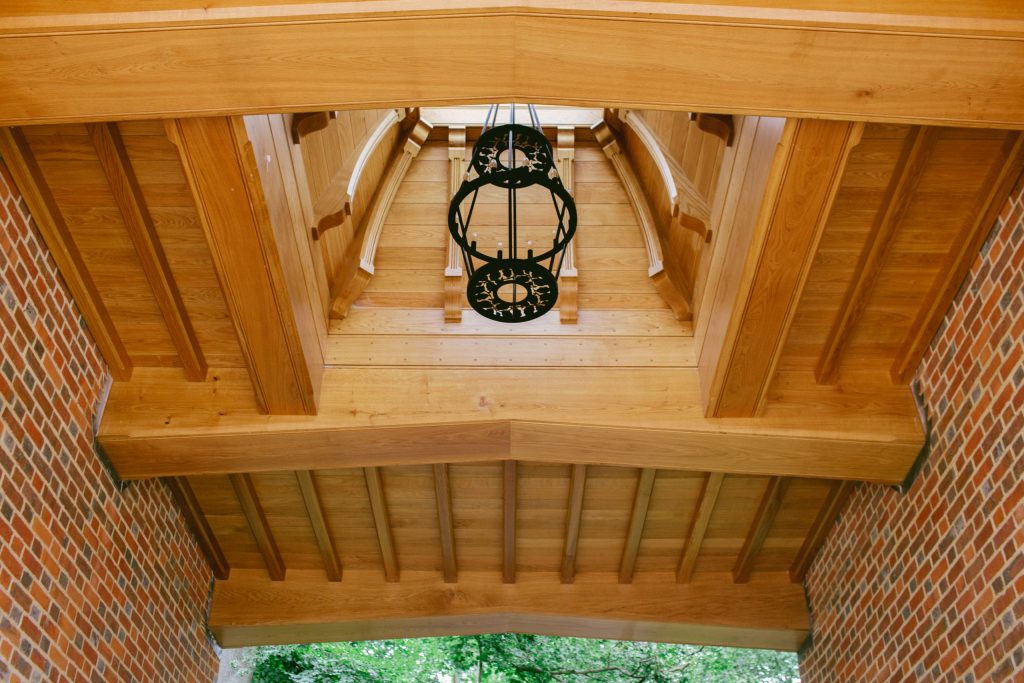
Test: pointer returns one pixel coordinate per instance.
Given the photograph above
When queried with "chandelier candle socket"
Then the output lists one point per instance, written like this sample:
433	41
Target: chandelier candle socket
513	263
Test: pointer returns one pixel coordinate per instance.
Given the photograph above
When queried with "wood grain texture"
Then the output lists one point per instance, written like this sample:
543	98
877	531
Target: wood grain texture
311	499
998	182
641	502
382	522
250	502
249	610
572	522
699	526
763	519
910	167
185	497
508	524
124	186
837	496
258	287
79	63
25	170
805	177
446	524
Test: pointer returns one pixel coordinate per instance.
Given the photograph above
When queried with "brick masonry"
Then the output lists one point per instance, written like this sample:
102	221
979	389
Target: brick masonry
929	586
96	584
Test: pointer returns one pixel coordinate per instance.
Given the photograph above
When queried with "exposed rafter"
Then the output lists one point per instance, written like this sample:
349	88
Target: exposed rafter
196	520
254	515
317	520
641	501
833	505
762	524
508	544
573	516
445	523
699	526
382	522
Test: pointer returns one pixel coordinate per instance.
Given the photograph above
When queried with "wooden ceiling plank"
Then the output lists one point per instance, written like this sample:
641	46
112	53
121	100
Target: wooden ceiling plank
252	265
93	65
641	502
833	505
805	177
317	520
17	155
910	167
124	187
381	522
766	511
196	520
699	526
250	610
254	515
574	515
996	188
446	524
509	481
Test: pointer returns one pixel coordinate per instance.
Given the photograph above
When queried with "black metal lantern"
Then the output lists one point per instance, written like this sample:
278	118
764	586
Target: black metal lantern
512	218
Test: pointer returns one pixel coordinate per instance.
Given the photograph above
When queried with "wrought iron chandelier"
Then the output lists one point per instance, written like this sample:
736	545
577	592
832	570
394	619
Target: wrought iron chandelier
512	257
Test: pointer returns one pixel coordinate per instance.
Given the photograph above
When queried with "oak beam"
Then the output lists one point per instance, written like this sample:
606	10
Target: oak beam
641	501
317	520
262	288
508	545
254	515
187	502
249	610
837	497
762	524
74	62
907	174
805	178
957	263
24	168
445	523
574	514
699	526
381	522
124	187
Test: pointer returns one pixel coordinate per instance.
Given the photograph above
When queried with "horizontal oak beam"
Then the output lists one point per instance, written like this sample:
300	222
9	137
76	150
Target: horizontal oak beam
249	610
379	417
58	64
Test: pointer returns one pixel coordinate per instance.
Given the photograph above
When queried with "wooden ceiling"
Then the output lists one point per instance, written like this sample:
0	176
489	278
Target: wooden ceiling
361	455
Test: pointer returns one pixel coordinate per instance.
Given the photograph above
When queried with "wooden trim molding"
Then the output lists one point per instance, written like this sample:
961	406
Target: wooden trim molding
668	289
124	187
183	494
357	268
568	286
48	217
719	125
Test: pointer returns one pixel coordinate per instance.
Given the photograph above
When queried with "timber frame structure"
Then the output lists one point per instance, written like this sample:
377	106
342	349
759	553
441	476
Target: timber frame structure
243	201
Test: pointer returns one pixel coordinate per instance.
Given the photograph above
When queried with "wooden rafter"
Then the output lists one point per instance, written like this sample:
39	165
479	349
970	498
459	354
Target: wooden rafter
254	515
84	64
699	526
805	178
124	187
317	520
276	333
249	610
955	266
573	517
909	169
641	501
196	520
763	519
445	523
833	505
47	215
382	522
508	555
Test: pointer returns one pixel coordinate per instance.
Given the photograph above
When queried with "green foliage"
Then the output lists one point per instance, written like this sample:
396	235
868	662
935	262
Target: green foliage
517	658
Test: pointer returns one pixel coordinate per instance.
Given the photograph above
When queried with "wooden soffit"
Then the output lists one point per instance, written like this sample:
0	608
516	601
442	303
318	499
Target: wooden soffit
928	63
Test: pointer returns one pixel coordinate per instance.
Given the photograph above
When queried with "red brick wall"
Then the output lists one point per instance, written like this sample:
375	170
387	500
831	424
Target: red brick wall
929	586
96	584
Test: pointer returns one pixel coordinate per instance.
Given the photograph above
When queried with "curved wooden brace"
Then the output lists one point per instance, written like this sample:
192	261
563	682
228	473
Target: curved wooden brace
668	290
631	119
333	220
357	267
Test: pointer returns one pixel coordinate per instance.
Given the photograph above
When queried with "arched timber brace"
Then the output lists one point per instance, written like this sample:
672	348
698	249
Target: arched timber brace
673	294
357	268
